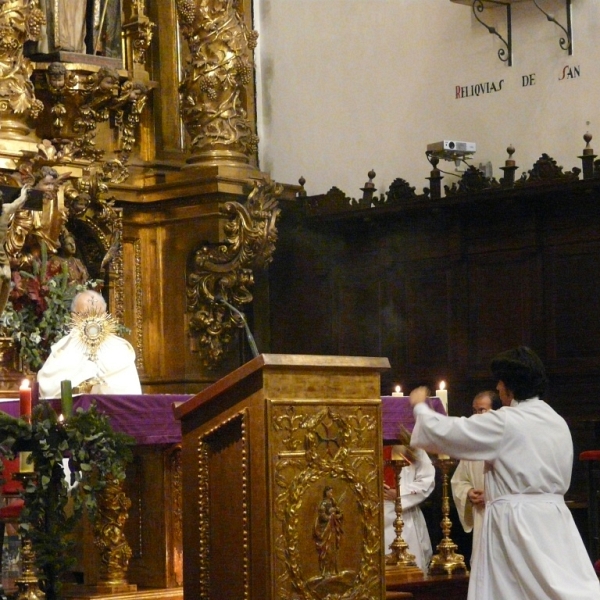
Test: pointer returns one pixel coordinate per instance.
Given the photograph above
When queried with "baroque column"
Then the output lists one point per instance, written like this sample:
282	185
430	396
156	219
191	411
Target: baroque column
214	92
20	21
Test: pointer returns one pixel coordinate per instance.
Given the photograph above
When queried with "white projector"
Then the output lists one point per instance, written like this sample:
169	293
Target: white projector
451	149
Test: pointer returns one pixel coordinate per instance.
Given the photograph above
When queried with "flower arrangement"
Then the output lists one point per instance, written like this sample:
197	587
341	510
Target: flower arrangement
97	454
38	311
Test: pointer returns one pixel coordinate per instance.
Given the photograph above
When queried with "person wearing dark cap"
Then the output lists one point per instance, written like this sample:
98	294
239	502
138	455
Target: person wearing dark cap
530	547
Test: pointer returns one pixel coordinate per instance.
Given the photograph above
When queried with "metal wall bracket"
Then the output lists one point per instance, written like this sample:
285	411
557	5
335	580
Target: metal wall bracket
565	44
504	54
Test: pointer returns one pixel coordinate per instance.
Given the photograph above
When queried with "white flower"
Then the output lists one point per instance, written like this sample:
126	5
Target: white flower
52	283
35	338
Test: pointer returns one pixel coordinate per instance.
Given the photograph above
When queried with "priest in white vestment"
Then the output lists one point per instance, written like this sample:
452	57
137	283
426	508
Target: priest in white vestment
467	480
91	355
417	481
530	548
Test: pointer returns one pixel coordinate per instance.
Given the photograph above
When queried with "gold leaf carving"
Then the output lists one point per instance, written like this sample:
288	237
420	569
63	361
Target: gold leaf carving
225	271
326	469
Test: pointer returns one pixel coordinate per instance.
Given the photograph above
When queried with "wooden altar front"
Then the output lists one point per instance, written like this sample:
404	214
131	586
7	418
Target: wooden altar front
281	464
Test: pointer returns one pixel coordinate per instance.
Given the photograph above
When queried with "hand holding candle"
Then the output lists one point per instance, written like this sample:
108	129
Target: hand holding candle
442	394
25	400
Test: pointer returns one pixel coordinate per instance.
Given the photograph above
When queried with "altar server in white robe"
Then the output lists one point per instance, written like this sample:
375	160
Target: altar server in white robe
417	481
467	481
91	354
530	548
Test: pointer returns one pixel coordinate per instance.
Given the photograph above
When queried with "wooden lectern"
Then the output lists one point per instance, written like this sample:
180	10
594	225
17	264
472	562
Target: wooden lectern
282	479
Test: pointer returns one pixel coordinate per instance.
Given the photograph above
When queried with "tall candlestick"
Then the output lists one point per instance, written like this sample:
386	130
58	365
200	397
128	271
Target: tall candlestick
442	394
397	391
25	399
66	398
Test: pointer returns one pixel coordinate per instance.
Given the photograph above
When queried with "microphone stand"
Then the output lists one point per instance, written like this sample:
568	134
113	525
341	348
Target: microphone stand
242	316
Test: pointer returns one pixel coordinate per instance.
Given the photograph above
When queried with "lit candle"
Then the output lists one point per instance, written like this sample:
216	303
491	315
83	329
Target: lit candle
25	400
66	398
397	391
442	394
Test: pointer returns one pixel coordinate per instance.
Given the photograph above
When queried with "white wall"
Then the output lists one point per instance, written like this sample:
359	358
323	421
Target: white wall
349	85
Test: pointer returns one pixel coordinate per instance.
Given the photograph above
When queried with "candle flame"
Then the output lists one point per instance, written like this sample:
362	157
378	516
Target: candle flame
442	385
61	418
398	389
24	384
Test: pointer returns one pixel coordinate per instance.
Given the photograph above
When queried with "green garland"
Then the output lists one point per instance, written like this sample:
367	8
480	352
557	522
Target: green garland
96	453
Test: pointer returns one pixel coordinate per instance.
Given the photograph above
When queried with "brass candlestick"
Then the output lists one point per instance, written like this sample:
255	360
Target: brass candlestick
28	583
447	562
400	565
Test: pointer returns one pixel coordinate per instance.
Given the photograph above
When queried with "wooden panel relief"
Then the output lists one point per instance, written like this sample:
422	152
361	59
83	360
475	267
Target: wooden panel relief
326	502
223	511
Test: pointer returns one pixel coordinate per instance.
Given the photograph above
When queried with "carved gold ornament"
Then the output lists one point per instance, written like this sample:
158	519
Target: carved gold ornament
109	531
225	271
327	503
92	328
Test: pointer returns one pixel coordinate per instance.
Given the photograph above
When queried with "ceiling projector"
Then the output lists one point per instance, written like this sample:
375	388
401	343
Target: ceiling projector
451	149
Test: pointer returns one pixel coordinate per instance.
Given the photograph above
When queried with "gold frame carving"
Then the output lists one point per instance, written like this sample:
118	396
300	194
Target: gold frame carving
319	446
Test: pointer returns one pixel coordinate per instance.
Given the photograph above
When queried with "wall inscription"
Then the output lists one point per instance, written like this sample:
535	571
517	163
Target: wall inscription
489	87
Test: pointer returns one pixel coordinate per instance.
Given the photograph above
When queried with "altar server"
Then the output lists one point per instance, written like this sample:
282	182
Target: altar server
530	547
91	355
417	481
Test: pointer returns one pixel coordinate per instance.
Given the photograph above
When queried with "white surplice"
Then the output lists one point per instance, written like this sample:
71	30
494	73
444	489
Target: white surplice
469	475
417	481
530	547
114	367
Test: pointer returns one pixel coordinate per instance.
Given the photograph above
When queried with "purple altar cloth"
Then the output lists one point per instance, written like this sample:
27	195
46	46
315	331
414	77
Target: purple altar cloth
397	409
147	418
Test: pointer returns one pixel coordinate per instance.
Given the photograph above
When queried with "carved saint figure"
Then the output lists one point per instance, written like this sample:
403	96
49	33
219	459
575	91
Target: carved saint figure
328	532
84	26
65	259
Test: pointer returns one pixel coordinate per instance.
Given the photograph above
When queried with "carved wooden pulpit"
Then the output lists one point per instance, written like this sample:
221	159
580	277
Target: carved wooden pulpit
282	480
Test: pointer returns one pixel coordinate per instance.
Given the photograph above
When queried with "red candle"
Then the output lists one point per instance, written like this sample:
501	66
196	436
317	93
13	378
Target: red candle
25	399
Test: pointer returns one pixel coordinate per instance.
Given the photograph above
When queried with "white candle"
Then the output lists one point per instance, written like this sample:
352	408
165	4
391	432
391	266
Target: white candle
397	391
442	394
